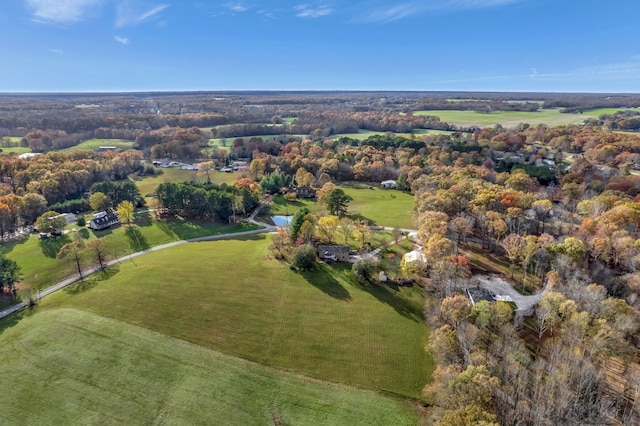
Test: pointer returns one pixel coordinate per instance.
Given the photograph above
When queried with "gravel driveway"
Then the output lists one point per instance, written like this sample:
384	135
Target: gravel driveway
498	287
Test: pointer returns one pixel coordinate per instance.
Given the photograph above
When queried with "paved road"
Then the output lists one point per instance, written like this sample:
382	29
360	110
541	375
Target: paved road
42	293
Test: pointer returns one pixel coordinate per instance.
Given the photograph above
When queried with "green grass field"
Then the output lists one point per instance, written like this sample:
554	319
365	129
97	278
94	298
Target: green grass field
14	150
320	323
148	184
599	111
68	366
96	143
37	258
379	206
228	142
551	117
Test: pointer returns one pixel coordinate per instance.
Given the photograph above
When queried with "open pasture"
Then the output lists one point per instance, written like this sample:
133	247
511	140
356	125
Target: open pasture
67	366
550	117
14	150
600	111
378	206
39	267
97	143
148	184
320	323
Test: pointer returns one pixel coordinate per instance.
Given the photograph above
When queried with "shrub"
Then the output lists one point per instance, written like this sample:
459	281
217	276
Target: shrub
364	270
304	257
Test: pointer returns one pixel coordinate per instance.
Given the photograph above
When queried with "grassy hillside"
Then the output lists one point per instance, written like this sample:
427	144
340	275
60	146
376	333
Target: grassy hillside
551	117
72	367
37	258
320	323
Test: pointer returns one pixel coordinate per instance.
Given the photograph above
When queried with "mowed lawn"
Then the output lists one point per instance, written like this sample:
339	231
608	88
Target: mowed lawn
230	296
382	207
68	366
551	117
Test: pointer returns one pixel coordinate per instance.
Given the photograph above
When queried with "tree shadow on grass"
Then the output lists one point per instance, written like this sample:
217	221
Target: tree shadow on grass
143	219
12	320
8	246
92	280
51	246
323	279
84	233
358	217
387	295
137	241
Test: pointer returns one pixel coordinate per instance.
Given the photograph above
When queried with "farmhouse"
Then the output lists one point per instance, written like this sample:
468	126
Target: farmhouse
388	184
338	253
104	220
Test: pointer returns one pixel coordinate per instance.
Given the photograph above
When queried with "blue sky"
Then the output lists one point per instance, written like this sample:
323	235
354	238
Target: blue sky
466	45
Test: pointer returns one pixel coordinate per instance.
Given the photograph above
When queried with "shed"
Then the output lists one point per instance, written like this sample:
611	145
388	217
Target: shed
341	253
388	184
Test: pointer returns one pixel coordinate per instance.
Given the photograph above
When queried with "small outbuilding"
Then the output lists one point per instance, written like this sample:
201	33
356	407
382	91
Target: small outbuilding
388	184
333	252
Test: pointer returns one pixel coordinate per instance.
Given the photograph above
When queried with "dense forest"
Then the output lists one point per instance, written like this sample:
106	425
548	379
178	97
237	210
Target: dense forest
559	205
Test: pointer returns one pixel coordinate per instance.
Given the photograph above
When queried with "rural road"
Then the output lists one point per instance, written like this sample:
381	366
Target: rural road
42	293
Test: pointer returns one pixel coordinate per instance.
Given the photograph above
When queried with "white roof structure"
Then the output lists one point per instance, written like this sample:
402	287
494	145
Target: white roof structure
28	155
414	256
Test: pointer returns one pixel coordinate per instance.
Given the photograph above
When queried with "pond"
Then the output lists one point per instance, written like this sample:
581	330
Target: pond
281	220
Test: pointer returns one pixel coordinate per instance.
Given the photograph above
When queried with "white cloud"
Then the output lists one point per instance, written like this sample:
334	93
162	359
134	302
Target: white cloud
306	11
61	11
236	7
128	14
121	40
395	11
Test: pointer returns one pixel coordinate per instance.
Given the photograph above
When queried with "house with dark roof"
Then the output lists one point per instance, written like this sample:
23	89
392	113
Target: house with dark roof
305	192
333	252
476	294
104	220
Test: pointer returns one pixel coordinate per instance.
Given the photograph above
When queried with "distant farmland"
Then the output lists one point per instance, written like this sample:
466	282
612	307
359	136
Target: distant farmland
551	117
97	143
